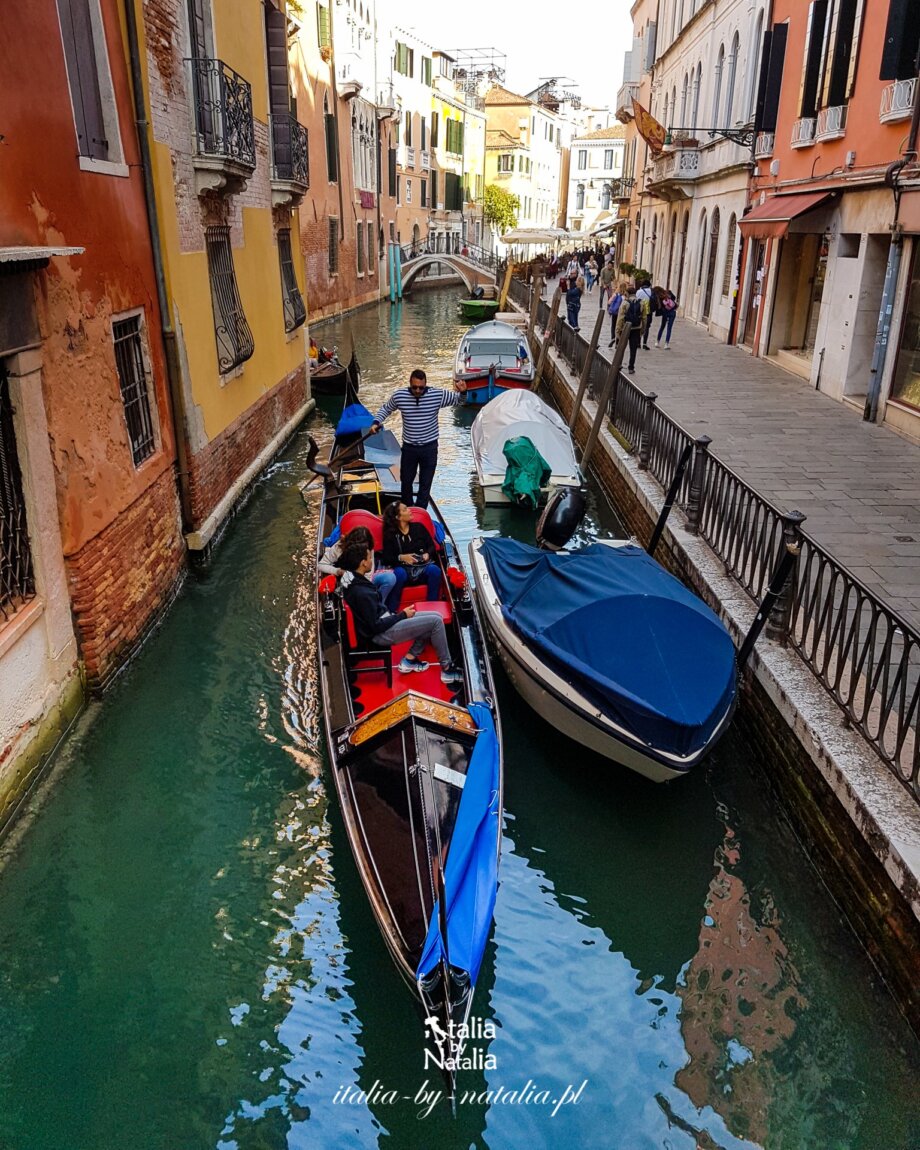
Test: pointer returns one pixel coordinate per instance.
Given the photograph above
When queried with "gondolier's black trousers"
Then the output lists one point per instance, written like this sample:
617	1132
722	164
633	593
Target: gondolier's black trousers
421	458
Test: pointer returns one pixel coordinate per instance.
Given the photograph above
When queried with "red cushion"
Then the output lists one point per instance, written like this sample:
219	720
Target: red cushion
361	518
420	515
440	607
413	594
350	627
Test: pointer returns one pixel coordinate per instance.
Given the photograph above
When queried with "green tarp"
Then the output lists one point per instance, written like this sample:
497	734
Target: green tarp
527	472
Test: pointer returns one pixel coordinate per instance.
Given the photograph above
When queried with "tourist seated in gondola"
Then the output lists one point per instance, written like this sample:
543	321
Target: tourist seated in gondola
375	624
382	577
409	549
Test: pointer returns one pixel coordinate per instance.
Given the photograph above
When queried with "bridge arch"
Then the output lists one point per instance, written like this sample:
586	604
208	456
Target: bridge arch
467	272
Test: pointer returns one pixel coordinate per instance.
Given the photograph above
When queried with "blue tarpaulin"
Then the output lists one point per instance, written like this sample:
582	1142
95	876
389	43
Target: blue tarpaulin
628	636
471	873
354	418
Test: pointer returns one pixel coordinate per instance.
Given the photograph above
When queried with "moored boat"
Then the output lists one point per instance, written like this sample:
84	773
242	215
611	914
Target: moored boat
330	377
493	357
416	763
514	415
610	649
478	310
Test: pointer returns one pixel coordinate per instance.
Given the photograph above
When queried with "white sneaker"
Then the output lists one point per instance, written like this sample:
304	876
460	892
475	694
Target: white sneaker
657	343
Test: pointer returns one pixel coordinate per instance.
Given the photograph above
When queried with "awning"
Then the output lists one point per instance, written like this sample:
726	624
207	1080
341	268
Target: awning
24	259
772	218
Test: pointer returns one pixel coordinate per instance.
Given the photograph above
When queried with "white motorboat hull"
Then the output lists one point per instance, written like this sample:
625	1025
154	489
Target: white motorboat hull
561	704
492	493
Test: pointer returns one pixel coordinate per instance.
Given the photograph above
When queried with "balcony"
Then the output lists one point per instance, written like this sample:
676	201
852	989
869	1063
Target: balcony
671	173
627	93
831	123
622	189
290	171
425	161
410	157
386	103
898	101
225	150
803	132
347	83
763	145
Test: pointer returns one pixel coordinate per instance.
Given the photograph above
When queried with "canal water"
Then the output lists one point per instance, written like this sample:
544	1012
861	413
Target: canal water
188	959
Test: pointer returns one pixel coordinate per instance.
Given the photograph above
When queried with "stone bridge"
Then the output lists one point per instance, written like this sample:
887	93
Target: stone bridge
473	269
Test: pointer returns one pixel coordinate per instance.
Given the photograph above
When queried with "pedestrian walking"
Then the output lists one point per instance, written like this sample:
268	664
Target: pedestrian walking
668	315
631	323
573	301
418	404
606	279
615	299
645	294
591	273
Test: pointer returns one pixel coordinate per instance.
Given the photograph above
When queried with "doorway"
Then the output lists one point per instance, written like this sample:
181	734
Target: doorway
755	294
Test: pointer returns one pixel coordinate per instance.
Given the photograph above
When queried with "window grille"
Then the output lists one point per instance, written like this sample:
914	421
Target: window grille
135	389
359	234
370	249
295	311
17	577
333	246
234	339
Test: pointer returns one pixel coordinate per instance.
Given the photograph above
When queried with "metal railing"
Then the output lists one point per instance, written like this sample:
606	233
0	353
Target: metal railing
17	574
471	252
803	132
898	100
831	122
223	112
861	650
290	150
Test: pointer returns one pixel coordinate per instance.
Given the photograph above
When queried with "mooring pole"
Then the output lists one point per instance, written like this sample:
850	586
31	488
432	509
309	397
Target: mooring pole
670	497
613	374
547	337
777	603
586	370
534	305
695	499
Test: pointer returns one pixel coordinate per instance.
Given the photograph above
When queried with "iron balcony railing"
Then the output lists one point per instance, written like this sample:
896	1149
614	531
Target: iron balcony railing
861	650
898	100
223	112
17	574
290	150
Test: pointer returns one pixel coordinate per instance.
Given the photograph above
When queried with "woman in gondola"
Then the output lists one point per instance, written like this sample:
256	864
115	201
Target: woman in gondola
409	550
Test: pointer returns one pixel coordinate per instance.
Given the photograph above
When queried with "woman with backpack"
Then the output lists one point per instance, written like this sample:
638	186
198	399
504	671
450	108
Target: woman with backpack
630	323
613	309
668	314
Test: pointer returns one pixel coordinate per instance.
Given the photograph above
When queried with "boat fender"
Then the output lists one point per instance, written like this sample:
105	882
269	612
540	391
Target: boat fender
561	516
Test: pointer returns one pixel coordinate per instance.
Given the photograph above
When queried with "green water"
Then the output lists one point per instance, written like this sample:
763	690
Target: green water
188	959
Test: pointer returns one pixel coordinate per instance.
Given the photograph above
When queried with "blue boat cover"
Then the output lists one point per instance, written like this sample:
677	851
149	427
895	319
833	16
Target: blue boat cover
628	636
471	873
354	418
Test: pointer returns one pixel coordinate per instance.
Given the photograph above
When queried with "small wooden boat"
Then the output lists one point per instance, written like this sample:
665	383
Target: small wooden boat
610	649
478	310
491	358
417	764
513	415
330	376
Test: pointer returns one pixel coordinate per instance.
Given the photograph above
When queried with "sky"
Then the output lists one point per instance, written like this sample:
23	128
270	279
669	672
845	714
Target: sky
583	40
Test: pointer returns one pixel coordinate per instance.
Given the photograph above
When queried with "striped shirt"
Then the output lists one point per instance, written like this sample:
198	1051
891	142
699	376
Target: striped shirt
419	412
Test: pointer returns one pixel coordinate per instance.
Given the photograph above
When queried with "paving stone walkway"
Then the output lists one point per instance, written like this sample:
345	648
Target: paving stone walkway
858	483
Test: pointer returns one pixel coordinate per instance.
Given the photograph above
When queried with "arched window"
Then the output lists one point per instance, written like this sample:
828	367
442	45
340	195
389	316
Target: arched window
672	231
664	118
684	237
753	62
605	197
717	86
730	86
580	198
683	102
674	107
711	267
697	84
702	259
728	276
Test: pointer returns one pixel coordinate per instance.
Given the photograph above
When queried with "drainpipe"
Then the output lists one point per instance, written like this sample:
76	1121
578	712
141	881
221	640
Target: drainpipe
892	271
335	116
170	347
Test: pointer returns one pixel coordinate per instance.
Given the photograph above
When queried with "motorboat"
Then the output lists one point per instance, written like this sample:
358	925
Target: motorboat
521	414
610	649
417	764
478	310
493	357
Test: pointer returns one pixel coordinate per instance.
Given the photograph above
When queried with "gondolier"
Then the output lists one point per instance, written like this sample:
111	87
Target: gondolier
419	405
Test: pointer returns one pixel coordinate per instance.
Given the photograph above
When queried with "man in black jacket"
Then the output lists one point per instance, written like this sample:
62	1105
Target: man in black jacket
375	623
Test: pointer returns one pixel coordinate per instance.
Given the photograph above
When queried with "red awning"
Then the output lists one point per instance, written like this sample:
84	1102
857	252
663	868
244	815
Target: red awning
773	217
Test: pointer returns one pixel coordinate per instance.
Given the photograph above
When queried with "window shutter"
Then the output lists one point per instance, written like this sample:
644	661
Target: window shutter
434	189
83	77
391	170
902	37
762	81
434	129
331	152
774	78
322	26
814	54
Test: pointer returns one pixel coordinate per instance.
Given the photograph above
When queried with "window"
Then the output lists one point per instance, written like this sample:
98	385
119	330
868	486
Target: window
902	41
582	159
772	60
391	170
452	192
332	144
842	54
905	383
426	72
717	93
520	162
333	246
730	83
424	141
506	162
551	133
605	198
434	129
234	339
423	200
133	379
404	59
434	189
697	85
323	35
359	236
728	275
580	198
408	191
370	249
608	157
408	129
454	143
17	577
392	233
83	36
292	301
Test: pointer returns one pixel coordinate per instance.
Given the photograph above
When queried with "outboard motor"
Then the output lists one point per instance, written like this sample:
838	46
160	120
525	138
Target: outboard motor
561	516
477	292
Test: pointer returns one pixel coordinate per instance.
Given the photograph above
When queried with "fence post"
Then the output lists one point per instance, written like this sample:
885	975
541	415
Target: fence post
613	375
781	611
697	475
534	304
586	369
645	445
547	338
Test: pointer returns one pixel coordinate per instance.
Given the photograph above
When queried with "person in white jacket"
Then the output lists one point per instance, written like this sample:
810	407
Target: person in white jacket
382	577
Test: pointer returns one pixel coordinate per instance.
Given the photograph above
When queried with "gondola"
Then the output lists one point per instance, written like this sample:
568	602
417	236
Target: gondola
417	765
331	377
610	649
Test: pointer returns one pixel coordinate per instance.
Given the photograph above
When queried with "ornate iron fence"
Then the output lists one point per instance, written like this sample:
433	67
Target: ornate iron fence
290	150
223	112
862	652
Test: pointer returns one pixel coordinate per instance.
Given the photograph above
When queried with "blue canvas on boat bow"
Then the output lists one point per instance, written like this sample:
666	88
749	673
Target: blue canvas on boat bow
471	873
354	420
627	635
